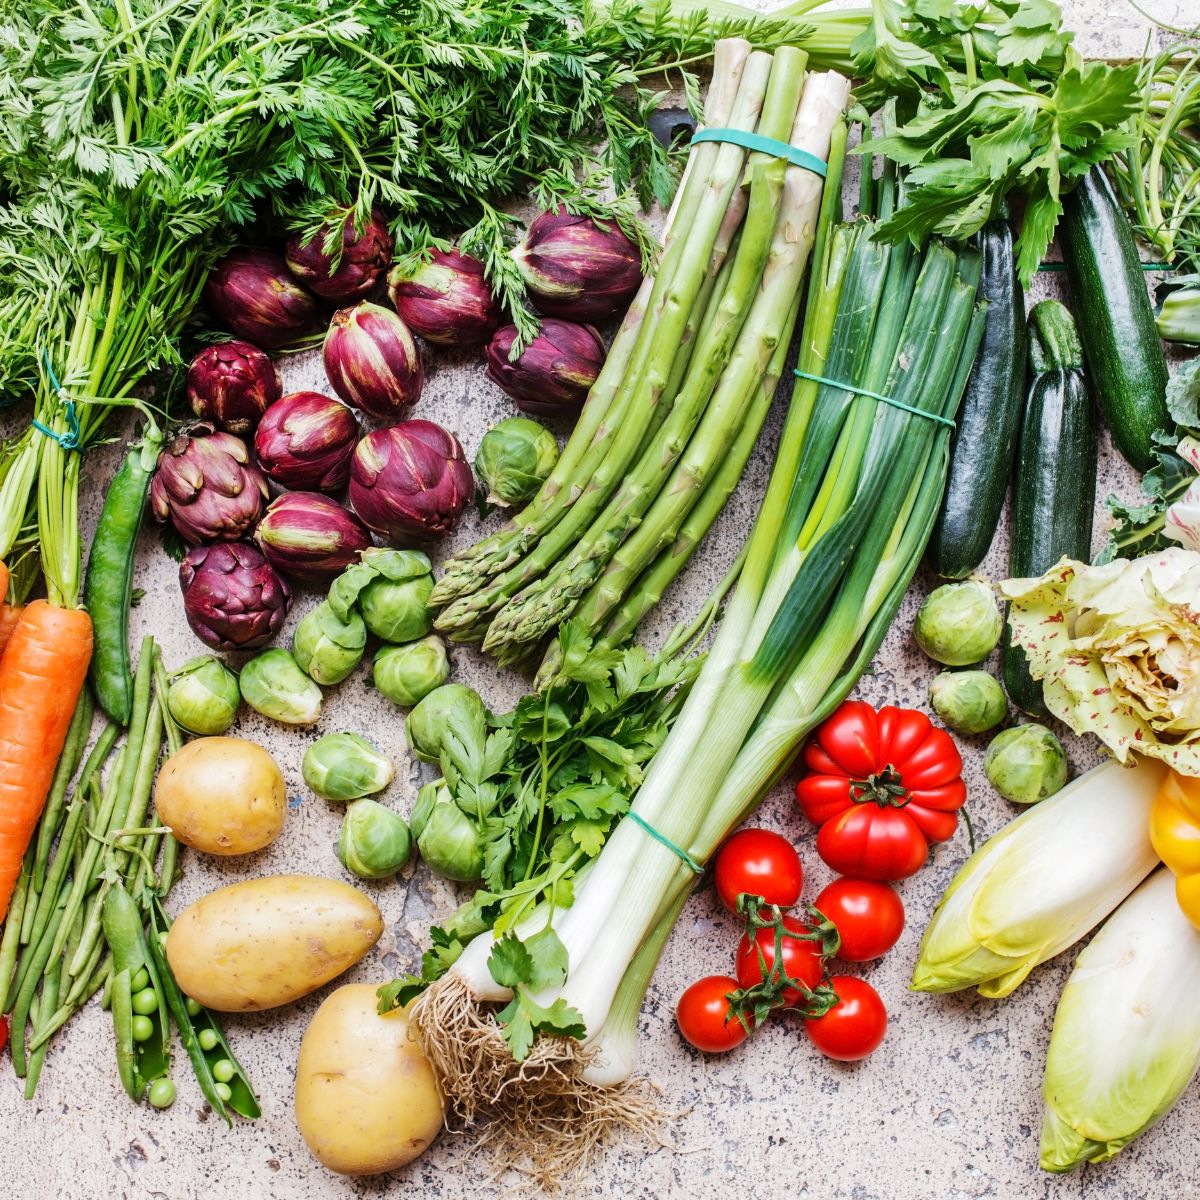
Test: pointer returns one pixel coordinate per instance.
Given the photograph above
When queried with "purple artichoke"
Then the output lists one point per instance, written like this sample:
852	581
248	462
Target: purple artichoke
362	261
310	536
305	441
411	481
233	597
253	293
554	372
231	385
578	268
208	487
372	361
446	300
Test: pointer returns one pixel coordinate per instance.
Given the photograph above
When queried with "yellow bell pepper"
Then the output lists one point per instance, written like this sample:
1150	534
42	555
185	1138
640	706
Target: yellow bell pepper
1175	835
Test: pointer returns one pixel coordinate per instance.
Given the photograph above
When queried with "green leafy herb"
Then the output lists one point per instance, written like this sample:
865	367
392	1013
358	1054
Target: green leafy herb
537	963
1000	109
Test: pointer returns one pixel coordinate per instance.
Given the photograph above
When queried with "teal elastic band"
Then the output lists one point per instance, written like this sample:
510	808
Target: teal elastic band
69	440
858	391
682	855
764	145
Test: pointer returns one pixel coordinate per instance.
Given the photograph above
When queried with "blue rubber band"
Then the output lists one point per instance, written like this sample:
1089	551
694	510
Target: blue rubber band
71	439
764	145
681	854
858	391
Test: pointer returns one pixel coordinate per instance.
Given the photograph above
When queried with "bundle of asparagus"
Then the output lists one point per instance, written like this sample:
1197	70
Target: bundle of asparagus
672	419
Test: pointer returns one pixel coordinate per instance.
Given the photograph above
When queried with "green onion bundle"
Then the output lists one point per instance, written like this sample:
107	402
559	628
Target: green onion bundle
676	412
852	499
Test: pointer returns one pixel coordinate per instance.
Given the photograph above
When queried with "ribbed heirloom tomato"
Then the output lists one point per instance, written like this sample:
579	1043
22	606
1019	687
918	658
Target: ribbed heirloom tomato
881	786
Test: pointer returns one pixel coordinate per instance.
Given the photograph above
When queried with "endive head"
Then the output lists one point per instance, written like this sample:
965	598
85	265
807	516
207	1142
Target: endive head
1126	1038
1041	883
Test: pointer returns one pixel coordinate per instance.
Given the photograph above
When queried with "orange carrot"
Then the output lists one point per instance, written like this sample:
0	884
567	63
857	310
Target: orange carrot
10	614
3	579
41	675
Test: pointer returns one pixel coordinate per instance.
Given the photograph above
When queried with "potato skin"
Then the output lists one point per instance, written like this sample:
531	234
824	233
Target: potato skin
367	1100
266	942
222	795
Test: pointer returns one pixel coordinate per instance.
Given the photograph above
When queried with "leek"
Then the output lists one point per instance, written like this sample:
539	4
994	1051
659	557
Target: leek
1042	883
1126	1039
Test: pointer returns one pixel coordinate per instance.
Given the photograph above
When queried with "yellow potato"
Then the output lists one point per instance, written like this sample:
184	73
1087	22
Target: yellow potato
366	1097
222	795
266	942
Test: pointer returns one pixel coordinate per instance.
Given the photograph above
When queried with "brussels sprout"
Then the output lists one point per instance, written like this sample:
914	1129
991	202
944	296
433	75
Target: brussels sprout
344	766
1026	764
326	647
449	843
429	795
514	459
376	562
272	684
374	842
959	623
398	610
407	674
428	721
203	696
969	701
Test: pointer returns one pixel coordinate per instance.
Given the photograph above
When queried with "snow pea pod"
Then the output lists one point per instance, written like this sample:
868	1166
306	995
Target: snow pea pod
108	590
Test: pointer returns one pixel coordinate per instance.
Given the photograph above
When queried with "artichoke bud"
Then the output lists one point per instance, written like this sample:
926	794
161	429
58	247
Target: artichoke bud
372	361
446	300
310	536
305	442
554	373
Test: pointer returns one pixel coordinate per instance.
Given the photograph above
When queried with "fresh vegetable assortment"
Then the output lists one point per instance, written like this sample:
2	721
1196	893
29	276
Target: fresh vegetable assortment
339	176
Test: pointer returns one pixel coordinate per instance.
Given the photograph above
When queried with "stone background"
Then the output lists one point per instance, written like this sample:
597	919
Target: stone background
948	1108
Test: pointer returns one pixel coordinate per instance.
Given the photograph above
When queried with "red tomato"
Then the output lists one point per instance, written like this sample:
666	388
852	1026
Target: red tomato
3	1032
881	786
854	1026
802	960
759	863
868	915
705	1018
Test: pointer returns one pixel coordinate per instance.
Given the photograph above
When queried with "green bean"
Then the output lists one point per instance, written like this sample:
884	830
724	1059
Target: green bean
143	787
79	990
170	725
31	908
82	990
41	956
68	764
122	1015
167	872
49	1003
10	944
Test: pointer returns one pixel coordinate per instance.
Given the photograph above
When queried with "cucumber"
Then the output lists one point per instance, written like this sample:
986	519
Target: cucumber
988	418
1124	355
1054	486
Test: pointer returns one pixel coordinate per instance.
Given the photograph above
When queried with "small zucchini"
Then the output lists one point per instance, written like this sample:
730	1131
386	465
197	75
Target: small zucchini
1124	355
988	418
1054	488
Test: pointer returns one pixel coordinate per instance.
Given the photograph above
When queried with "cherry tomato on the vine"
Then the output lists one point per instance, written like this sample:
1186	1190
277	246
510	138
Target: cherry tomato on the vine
802	960
3	1032
854	1026
705	1017
759	863
869	917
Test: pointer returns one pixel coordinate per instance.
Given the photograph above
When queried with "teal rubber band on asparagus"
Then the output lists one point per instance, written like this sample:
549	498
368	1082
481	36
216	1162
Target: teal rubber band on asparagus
858	391
678	851
764	145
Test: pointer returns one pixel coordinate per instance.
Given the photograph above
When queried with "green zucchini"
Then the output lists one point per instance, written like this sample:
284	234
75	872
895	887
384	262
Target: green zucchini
1054	487
1125	360
988	418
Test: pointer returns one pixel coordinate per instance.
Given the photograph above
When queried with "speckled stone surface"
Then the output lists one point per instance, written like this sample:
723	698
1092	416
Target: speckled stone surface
948	1108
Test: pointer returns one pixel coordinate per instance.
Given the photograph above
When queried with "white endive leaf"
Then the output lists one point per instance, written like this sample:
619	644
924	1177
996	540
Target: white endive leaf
1042	882
1126	1038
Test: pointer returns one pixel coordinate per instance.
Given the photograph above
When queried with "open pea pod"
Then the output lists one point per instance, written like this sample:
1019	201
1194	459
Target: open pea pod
241	1096
140	1061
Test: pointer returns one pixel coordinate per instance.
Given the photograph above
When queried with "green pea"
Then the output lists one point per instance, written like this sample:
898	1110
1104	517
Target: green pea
145	1001
208	1039
193	1007
161	1093
223	1070
139	981
223	1090
142	1028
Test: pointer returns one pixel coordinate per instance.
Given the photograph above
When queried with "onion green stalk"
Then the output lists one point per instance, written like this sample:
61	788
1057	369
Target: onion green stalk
1041	883
1126	1039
